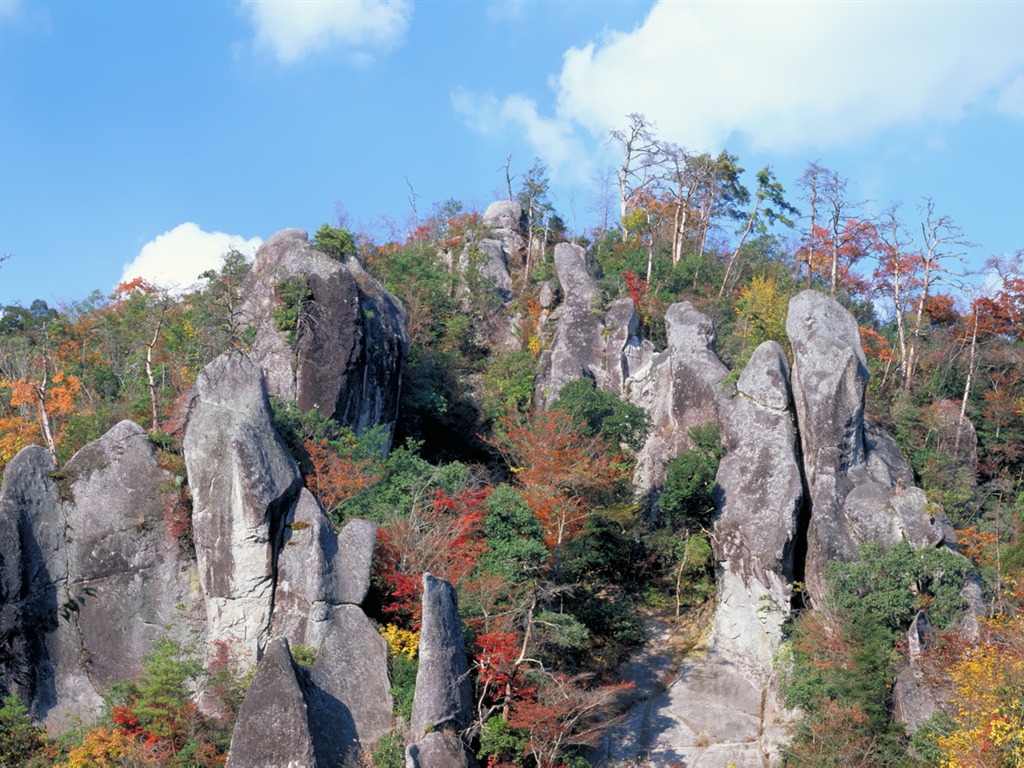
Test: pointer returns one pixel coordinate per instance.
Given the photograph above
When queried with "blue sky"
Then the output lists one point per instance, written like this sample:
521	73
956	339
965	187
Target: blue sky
154	134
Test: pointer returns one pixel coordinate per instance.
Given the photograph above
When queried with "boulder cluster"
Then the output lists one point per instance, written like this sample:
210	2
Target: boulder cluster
89	578
806	479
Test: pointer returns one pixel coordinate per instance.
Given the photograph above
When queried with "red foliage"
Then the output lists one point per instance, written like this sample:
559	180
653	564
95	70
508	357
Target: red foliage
637	288
125	720
444	538
565	713
400	591
177	508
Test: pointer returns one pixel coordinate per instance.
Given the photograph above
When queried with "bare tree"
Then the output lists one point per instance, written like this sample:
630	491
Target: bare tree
811	183
896	272
839	209
942	243
640	150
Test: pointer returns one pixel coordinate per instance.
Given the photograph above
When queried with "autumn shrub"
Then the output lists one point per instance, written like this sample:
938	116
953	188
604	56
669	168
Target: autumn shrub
842	660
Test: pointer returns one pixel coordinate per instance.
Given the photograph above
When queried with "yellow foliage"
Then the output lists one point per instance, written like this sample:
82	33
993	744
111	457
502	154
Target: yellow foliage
401	640
101	748
989	702
762	308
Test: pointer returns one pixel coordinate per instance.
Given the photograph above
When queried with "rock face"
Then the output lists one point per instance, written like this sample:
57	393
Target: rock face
724	706
90	536
857	479
578	345
244	483
350	700
759	492
442	706
680	388
319	570
349	336
272	726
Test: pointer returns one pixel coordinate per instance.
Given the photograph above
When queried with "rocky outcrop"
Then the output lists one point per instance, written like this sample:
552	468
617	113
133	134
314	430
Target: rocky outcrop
318	570
759	492
443	703
578	347
244	484
89	576
438	750
724	706
680	388
273	725
349	338
350	702
859	484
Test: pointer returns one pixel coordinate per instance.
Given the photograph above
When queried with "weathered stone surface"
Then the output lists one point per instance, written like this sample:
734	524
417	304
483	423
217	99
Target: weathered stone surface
319	569
503	214
350	703
438	750
91	535
273	725
494	267
759	496
578	347
243	483
119	550
443	698
33	579
350	340
710	717
859	484
680	388
548	295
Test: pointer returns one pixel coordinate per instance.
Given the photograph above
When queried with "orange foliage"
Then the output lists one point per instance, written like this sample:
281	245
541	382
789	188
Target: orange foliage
565	713
558	469
335	479
15	434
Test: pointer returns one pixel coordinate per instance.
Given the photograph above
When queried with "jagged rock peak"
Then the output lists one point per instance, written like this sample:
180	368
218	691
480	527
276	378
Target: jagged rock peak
344	351
858	481
443	702
443	697
273	724
244	482
92	535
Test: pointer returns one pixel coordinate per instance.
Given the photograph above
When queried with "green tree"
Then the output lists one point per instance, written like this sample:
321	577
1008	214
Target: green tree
334	241
20	740
515	538
602	413
687	501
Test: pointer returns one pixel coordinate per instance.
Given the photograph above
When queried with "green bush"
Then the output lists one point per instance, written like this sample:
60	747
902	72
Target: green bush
403	684
20	740
602	413
389	752
687	501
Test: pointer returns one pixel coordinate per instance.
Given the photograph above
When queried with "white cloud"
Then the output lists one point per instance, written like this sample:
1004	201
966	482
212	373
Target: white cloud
791	76
176	258
552	139
9	7
294	29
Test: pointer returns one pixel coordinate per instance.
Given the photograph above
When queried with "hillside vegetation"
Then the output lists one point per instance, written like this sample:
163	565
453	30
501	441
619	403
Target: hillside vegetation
532	514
